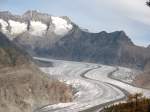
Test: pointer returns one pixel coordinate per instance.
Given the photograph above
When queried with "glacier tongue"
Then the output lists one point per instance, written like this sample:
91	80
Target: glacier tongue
92	83
88	93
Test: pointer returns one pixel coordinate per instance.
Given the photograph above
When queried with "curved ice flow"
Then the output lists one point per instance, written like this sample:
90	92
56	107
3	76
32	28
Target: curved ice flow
89	92
95	74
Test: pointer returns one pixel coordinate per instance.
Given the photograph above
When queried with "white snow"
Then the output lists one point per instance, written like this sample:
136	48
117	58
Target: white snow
61	25
89	92
125	74
100	74
92	84
17	27
59	105
37	28
4	25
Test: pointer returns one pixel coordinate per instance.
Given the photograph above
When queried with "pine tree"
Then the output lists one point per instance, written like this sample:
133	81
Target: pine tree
148	3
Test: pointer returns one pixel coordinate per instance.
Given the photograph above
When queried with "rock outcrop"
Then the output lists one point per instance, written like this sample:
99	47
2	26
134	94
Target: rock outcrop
23	87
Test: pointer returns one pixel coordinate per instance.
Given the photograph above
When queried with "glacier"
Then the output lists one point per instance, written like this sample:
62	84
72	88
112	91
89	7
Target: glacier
94	88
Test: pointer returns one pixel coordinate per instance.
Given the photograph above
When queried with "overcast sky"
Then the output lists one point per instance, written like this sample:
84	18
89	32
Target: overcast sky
132	16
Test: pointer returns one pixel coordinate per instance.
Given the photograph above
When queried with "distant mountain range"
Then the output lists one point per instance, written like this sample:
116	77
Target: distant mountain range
58	37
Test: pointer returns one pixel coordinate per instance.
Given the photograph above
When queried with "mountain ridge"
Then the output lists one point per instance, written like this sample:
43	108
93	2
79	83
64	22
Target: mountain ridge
60	38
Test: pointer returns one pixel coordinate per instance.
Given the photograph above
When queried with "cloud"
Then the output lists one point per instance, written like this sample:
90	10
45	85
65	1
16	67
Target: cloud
134	9
132	16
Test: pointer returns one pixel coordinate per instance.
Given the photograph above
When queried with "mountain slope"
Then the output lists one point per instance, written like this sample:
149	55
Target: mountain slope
108	48
10	54
23	87
143	80
58	37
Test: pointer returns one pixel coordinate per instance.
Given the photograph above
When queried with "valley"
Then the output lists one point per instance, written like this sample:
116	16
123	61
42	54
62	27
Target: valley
93	86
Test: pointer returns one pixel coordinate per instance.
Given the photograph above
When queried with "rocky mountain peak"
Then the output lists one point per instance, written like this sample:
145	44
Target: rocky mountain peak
121	37
30	11
5	13
37	16
34	12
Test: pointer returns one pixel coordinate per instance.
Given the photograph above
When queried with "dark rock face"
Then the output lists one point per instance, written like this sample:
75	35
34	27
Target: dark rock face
10	54
83	46
108	48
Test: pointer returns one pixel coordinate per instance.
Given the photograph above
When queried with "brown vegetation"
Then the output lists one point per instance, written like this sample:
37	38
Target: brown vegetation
135	103
25	88
143	80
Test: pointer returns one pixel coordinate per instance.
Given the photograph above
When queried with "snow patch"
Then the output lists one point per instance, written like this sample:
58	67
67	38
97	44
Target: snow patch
17	27
37	28
4	26
59	105
125	74
61	26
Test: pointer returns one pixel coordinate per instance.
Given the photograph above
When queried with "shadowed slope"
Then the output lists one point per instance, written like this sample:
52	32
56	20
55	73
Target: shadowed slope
23	87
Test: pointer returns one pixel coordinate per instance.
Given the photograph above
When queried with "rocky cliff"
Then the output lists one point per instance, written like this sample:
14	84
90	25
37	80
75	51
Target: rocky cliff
23	87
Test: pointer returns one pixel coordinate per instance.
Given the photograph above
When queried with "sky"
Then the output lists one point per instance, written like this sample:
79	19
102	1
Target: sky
131	16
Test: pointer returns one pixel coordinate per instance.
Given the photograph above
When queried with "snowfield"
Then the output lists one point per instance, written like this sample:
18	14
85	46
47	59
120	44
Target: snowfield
4	26
17	27
125	74
61	25
37	28
92	83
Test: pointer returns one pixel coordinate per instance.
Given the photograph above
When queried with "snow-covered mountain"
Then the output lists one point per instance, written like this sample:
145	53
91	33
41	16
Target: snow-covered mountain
34	30
35	23
58	37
